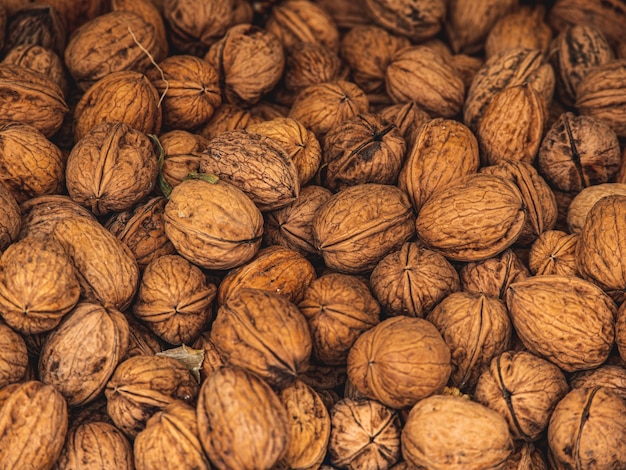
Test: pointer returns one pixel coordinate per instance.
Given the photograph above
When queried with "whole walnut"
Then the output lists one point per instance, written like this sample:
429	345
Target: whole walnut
412	280
492	276
416	19
583	201
454	432
554	252
241	421
38	24
249	61
174	299
523	27
151	13
524	389
41	214
585	430
364	434
228	117
42	60
609	376
13	356
409	117
181	156
399	361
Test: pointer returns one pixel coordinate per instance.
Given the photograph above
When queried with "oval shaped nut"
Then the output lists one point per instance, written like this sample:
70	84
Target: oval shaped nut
416	19
554	252
587	198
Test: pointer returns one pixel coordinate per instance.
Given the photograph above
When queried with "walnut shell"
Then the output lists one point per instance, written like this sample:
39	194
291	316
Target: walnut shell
474	219
416	19
451	432
608	376
213	359
276	347
37	24
10	220
141	341
42	60
181	156
13	356
174	299
524	389
409	117
33	424
364	434
554	252
112	168
493	276
143	385
228	117
213	225
399	361
241	421
582	203
42	213
526	457
151	13
564	319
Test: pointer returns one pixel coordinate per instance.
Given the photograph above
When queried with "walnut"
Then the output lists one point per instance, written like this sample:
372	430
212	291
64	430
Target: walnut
409	117
141	341
13	358
149	11
42	60
77	13
526	457
38	25
582	203
554	252
10	220
493	276
524	27
181	156
228	117
416	19
213	359
41	214
345	13
609	376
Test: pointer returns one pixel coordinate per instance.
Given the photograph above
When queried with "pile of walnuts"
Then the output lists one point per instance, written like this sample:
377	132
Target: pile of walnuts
312	234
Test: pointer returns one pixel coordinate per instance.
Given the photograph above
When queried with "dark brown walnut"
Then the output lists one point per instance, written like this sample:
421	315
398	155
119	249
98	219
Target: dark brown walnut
212	360
33	424
409	118
96	411
577	152
110	43
493	276
412	280
256	164
324	378
359	226
416	19
512	125
10	217
345	13
309	426
213	225
249	61
95	445
75	12
469	22
599	254
79	356
274	269
151	13
422	74
399	361
539	200
42	60
141	341
323	106
174	299
524	389
13	356
585	430
142	229
124	96
526	457
112	168
446	431
28	97
564	319
609	376
241	421
276	347
292	225
443	151
477	328
338	308
38	24
583	201
364	434
143	385
554	252
189	91
524	27
170	441
38	285
297	21
362	149
575	51
511	67
368	50
298	142
181	156
228	117
106	268
477	217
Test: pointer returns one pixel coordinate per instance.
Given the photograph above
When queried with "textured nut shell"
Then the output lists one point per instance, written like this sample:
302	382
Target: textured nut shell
443	151
360	225
584	430
38	285
150	12
170	441
554	252
97	446
13	356
276	347
524	389
228	117
143	385
564	319
583	202
10	220
526	457
449	223
608	376
241	421
416	19
42	60
412	280
448	432
141	341
307	64
33	424
212	360
181	155
79	356
215	226
399	361
112	168
36	24
409	117
364	434
493	276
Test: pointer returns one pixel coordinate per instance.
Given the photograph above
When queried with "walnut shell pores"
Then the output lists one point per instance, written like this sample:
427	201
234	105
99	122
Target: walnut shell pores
360	225
399	361
213	225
